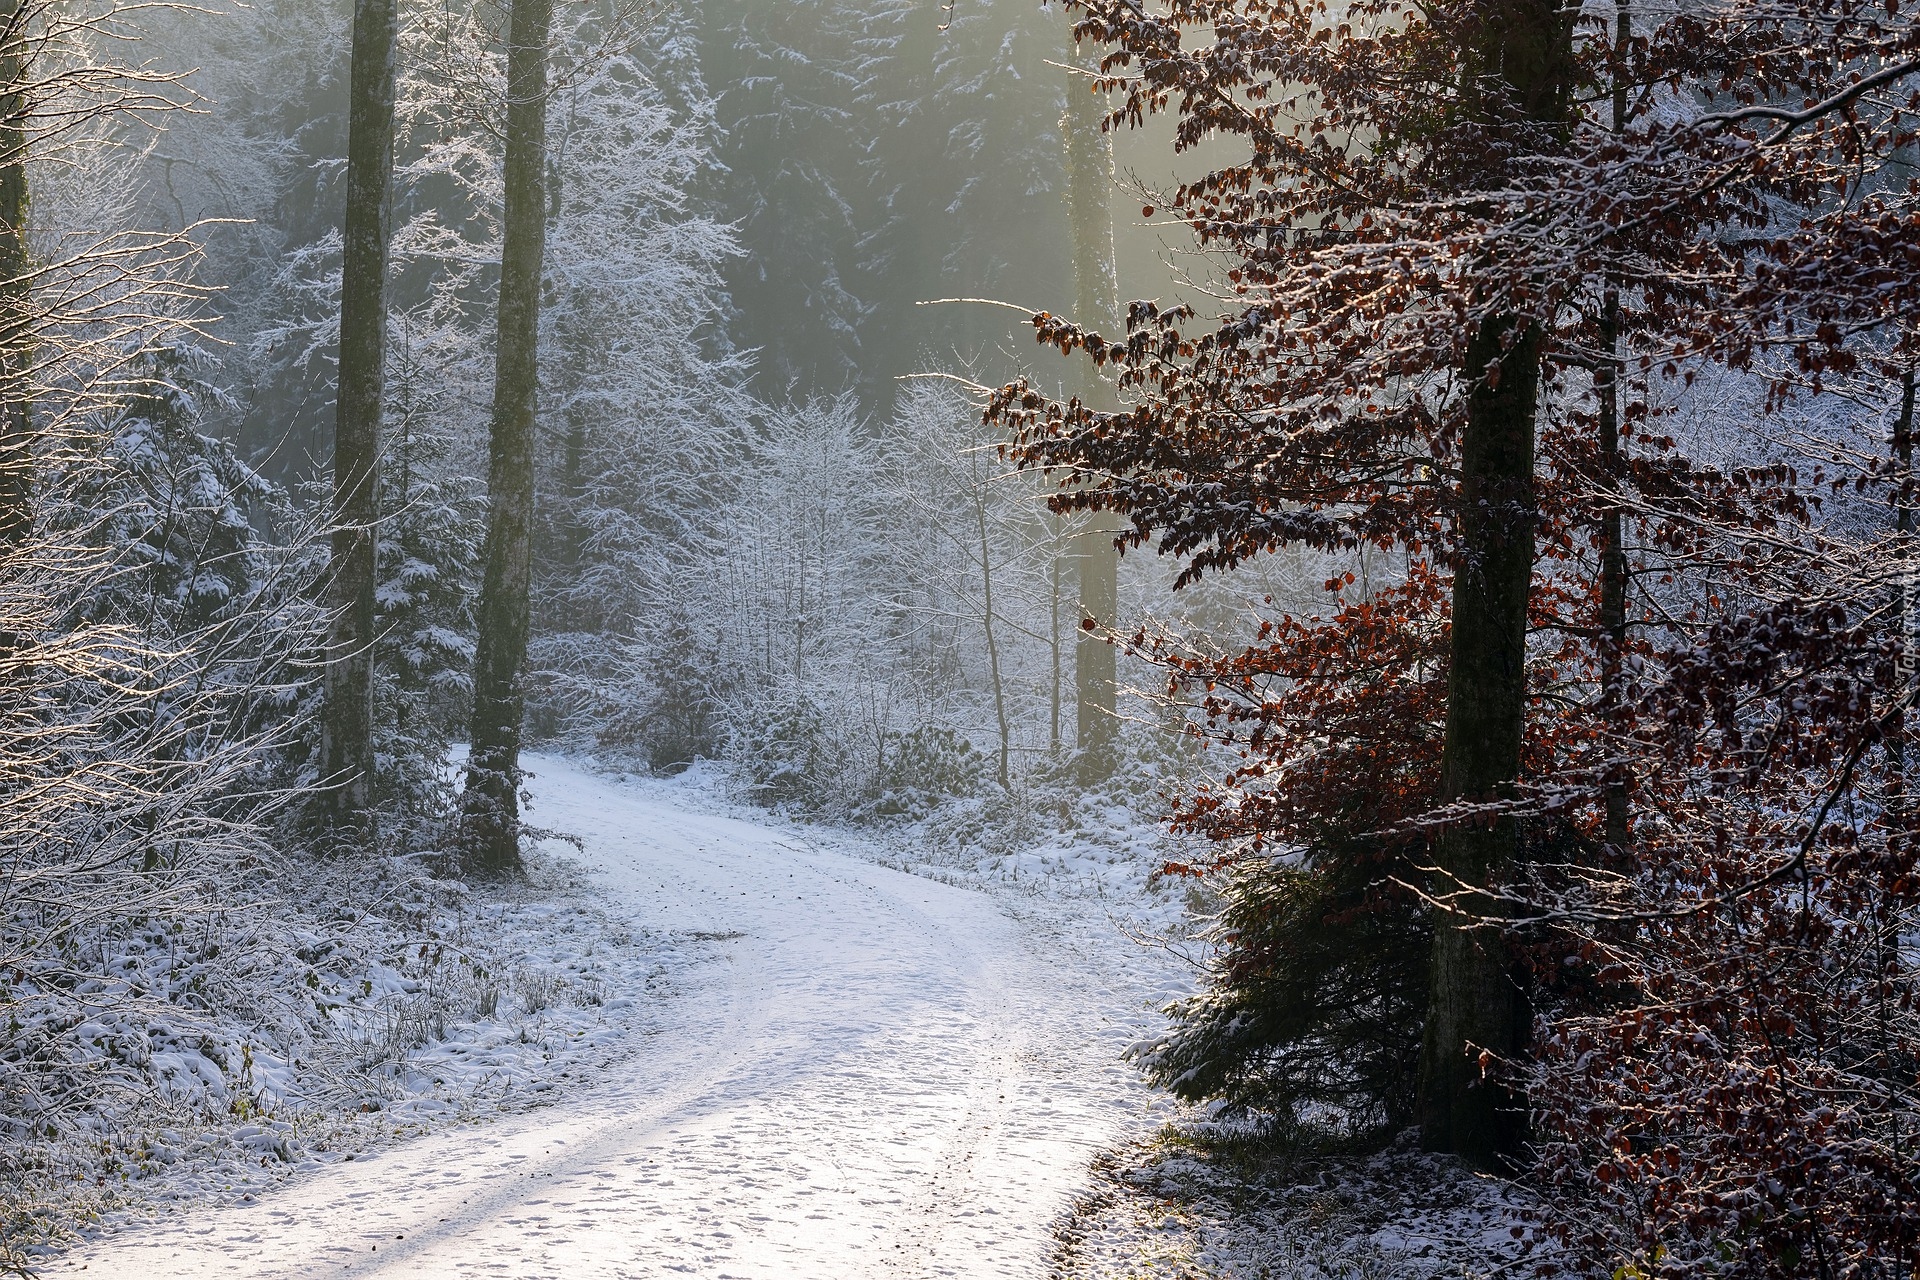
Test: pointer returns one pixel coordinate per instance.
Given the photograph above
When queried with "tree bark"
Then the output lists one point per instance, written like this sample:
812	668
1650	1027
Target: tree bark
1053	642
490	805
1004	773
346	725
1477	1005
1096	288
1613	550
573	609
1908	665
16	294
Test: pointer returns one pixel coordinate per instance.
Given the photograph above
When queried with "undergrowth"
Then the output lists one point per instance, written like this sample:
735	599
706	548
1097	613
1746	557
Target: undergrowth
1205	1201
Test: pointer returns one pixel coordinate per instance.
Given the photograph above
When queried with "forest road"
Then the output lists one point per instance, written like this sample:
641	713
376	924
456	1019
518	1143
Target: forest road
885	1076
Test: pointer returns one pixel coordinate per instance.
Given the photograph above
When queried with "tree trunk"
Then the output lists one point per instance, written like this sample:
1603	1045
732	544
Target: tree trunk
1475	1003
346	725
1478	1005
1613	551
574	609
1053	640
1904	524
490	807
1004	772
16	294
1096	290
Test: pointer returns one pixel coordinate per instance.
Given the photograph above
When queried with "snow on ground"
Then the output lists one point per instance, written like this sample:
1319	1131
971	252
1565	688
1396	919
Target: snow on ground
1196	1202
355	1007
882	1074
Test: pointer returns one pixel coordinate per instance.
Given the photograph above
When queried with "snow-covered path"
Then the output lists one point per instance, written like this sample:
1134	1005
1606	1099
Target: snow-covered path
886	1076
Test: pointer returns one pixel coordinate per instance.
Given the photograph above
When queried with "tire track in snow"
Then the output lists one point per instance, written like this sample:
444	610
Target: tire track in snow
885	1076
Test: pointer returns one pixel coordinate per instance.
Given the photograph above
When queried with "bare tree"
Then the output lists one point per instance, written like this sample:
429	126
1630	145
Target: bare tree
982	553
148	637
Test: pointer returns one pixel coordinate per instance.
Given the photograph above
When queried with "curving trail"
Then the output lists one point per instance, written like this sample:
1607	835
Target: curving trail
886	1077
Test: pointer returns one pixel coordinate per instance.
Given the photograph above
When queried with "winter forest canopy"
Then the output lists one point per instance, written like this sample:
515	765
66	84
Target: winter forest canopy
1462	491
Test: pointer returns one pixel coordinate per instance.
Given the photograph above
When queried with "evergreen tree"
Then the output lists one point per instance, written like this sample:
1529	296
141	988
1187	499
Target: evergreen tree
186	514
877	156
423	663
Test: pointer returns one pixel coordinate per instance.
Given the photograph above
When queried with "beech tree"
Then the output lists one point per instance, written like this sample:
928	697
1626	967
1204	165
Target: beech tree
1463	302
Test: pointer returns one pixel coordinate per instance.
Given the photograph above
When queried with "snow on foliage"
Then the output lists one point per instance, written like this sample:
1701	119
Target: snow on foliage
271	1031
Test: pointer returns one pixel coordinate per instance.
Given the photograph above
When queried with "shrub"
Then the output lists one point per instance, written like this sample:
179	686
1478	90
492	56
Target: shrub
792	753
924	766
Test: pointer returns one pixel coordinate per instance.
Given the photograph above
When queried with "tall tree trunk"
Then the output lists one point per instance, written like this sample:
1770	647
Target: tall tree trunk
346	726
1904	525
490	807
1053	640
1477	1005
1096	300
16	295
1613	550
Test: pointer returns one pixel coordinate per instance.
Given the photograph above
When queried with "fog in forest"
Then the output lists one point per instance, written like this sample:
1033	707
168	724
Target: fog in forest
838	638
